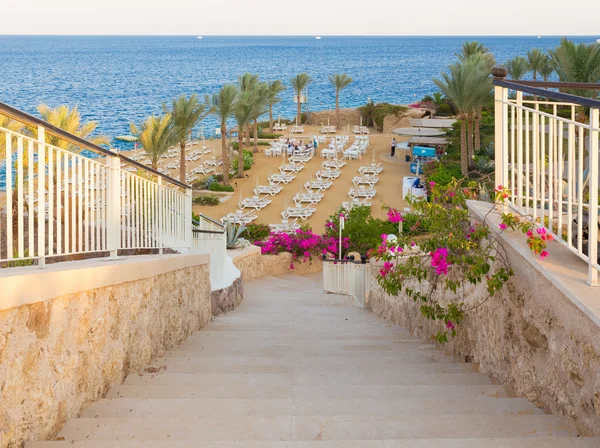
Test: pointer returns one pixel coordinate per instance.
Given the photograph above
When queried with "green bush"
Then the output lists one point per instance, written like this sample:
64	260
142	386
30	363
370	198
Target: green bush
256	232
268	136
216	186
444	110
442	172
248	161
207	199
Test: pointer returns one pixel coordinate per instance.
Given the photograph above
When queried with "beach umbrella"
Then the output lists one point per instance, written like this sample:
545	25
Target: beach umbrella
328	120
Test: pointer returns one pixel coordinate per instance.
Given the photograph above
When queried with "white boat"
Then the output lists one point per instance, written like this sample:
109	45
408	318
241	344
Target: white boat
318	37
199	37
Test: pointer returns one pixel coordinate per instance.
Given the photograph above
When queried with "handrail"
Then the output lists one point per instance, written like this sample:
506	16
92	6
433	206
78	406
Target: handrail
206	218
559	96
27	119
216	232
559	84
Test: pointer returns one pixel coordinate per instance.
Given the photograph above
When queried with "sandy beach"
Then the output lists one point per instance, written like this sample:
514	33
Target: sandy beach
389	187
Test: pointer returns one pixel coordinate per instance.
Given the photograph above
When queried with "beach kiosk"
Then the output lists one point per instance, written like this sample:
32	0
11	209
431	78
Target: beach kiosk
420	156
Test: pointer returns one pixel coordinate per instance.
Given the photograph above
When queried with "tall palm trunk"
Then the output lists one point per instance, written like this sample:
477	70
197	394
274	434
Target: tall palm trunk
240	170
247	134
337	109
299	118
181	161
478	131
255	136
470	151
225	153
271	117
464	157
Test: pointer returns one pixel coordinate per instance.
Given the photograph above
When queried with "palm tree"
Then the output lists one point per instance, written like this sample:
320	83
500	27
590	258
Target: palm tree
69	120
250	104
186	113
476	48
222	105
155	135
339	83
577	63
261	90
547	69
517	67
536	60
275	88
464	85
247	82
299	83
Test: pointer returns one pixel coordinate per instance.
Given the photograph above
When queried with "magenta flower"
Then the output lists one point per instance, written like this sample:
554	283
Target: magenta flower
544	254
439	261
432	184
450	325
502	226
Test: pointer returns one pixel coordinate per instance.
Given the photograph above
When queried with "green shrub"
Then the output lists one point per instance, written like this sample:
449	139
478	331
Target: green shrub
248	161
207	199
256	232
268	136
216	186
442	172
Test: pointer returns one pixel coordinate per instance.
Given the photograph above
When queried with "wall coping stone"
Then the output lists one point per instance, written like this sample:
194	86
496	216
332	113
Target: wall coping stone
565	270
240	254
26	285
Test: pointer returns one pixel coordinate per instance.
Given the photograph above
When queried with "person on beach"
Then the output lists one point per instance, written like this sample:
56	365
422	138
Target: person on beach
393	147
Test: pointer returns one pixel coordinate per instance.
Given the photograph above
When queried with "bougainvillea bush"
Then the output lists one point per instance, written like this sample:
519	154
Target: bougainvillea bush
362	230
302	244
457	251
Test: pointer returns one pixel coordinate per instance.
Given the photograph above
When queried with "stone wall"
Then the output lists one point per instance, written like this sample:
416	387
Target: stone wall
253	265
60	353
531	336
228	298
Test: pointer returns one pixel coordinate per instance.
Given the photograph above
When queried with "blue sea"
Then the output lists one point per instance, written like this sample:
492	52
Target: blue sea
117	80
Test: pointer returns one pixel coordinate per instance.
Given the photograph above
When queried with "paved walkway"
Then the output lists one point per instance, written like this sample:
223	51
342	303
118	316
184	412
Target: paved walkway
295	368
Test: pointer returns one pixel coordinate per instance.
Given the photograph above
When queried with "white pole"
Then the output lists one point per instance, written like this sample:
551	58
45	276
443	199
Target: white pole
342	219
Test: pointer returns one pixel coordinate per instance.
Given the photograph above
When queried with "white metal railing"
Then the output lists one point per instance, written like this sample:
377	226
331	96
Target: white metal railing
550	164
209	236
347	278
56	202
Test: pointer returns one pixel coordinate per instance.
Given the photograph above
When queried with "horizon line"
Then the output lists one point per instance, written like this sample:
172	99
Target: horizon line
296	35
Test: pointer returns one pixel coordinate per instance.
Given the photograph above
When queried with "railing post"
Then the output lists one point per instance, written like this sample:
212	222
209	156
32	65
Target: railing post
41	229
501	123
188	218
113	199
159	213
593	188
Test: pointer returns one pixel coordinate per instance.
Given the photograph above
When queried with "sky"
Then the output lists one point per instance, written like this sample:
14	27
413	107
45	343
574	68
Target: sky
304	17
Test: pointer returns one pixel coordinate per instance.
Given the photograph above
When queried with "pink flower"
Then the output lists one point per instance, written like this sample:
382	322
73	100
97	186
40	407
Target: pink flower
450	194
450	325
503	226
385	270
384	237
544	254
394	216
432	184
439	261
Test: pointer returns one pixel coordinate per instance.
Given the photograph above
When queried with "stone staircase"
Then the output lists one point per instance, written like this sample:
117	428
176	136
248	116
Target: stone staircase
293	367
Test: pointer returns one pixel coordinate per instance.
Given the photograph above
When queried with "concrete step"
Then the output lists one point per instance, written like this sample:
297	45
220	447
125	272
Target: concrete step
305	379
329	391
277	428
287	365
202	407
537	442
291	335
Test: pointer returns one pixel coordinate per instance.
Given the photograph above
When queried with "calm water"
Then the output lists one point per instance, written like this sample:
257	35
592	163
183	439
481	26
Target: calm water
118	80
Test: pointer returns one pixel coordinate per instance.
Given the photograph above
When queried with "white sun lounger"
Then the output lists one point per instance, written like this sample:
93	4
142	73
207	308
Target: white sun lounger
268	189
239	217
362	193
203	169
308	198
298	212
255	203
333	164
291	168
319	185
365	180
371	169
284	226
283	178
214	162
355	202
328	174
